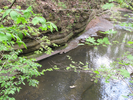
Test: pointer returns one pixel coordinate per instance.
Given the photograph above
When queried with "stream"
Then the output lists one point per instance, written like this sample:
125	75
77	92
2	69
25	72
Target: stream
55	85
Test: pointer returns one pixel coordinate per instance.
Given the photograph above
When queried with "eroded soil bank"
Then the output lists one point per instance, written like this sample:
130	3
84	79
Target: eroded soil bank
71	18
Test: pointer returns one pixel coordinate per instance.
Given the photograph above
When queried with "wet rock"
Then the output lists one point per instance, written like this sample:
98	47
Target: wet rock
95	28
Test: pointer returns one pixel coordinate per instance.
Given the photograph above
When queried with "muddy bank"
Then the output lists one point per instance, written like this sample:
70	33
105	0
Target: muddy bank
70	17
101	25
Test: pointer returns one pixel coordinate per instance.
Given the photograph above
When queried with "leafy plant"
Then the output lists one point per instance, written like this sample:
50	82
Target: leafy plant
118	70
13	68
92	41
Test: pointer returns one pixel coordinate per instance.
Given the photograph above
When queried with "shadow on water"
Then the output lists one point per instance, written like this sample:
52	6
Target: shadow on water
55	85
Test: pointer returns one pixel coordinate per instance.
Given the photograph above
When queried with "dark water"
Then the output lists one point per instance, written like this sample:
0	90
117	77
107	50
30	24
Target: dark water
56	85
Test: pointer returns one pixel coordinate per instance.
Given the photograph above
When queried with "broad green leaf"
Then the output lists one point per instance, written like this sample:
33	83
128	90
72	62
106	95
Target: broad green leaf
125	96
27	14
100	41
131	94
1	10
125	73
105	40
131	81
42	20
35	20
108	6
18	20
20	36
3	37
11	98
51	28
44	26
130	57
9	36
14	15
29	8
106	81
130	42
91	39
52	25
19	43
39	19
6	13
110	32
97	72
67	68
21	19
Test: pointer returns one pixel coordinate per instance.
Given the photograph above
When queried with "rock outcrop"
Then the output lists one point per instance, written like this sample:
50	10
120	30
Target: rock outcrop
94	28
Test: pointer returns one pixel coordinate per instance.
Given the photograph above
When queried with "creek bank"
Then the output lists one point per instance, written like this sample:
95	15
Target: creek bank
93	29
71	19
101	25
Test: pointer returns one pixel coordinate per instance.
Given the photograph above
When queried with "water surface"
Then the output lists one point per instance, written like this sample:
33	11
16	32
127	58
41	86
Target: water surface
55	85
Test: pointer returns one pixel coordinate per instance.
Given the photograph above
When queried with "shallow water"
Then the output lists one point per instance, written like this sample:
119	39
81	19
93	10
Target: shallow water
56	85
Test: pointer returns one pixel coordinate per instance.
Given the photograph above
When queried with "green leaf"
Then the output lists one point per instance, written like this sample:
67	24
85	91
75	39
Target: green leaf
20	36
125	96
131	81
131	94
130	57
81	44
21	19
44	27
1	10
9	36
51	26
42	20
6	13
35	20
14	15
29	8
108	6
105	40
89	39
97	72
125	73
130	42
100	41
67	68
19	43
3	37
27	14
11	98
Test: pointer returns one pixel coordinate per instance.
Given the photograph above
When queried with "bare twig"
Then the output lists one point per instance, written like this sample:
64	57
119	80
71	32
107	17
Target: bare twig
127	84
11	4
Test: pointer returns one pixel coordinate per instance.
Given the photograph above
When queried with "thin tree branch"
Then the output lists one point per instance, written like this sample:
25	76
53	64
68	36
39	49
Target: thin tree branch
11	4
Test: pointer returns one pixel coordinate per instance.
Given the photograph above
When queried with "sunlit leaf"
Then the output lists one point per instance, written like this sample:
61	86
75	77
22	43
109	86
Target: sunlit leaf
3	37
130	57
125	73
130	42
125	96
108	6
20	35
1	10
14	15
35	20
97	72
27	14
6	13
